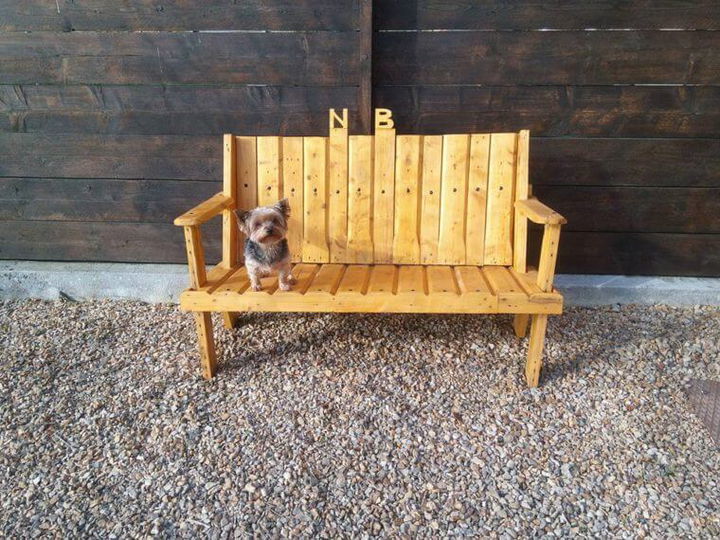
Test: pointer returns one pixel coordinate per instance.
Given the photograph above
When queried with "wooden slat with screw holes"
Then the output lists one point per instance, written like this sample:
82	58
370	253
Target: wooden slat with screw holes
499	217
246	152
303	274
382	279
473	285
326	280
453	198
521	193
430	198
337	193
477	198
528	283
383	194
376	302
406	244
230	247
510	295
269	155
236	283
355	280
411	279
315	248
292	185
441	281
359	222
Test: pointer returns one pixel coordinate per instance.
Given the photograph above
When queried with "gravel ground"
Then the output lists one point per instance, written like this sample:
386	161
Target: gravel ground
345	425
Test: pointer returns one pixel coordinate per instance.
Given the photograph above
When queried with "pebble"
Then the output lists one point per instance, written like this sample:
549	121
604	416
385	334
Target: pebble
331	425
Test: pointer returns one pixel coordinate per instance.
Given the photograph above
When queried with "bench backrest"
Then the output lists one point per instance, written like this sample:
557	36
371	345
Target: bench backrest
410	199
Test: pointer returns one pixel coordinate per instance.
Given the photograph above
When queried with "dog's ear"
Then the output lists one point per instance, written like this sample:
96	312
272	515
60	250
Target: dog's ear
242	217
283	207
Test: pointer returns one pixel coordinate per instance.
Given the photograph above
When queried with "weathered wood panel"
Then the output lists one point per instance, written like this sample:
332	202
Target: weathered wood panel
111	15
284	58
543	14
591	111
530	58
635	253
635	209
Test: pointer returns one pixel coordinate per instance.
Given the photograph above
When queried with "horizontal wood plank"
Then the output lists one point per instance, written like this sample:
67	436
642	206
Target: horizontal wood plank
573	57
589	111
294	58
110	15
553	14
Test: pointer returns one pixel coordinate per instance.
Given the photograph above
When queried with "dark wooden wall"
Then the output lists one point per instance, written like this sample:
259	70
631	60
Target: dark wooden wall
111	112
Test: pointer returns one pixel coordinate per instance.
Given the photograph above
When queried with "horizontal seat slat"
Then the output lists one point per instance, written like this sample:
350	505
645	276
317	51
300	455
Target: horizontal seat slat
375	288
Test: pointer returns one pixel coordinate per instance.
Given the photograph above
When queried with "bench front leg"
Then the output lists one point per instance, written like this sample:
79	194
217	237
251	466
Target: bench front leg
203	320
546	273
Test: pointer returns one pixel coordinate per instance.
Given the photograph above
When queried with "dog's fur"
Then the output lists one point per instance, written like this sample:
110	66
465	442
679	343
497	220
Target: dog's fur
266	248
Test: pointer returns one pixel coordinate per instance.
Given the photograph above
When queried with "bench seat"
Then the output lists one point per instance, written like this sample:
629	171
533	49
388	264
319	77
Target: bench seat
378	288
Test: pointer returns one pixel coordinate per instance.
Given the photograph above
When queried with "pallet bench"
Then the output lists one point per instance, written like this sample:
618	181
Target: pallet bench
385	223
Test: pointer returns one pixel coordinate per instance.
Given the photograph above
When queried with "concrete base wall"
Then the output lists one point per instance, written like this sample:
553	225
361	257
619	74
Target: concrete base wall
163	283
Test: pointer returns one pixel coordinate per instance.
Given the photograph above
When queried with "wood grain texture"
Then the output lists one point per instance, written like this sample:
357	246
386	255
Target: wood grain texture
408	165
315	240
360	200
109	15
292	167
522	191
534	58
295	58
430	198
338	194
453	199
383	194
556	110
500	198
477	198
269	170
231	233
554	14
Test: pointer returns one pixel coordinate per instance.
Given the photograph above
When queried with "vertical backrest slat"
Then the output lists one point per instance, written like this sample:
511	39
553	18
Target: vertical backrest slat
521	192
337	193
292	185
477	198
383	194
430	198
269	172
453	199
408	163
230	246
499	216
360	207
246	153
315	247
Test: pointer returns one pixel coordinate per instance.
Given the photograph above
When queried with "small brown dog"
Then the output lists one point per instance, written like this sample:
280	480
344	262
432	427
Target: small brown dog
266	248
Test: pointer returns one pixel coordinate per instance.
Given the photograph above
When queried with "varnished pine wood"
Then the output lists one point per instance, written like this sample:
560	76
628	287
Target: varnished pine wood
292	184
535	349
521	193
360	200
501	180
408	163
204	211
315	248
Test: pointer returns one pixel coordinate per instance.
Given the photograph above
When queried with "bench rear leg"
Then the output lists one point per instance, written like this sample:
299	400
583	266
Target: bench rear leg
203	323
535	349
520	324
230	319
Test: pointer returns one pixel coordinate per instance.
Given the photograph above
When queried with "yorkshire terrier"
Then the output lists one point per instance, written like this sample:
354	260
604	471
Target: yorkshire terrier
266	248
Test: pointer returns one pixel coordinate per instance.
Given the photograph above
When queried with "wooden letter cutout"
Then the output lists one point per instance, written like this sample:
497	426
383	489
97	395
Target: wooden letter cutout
383	119
343	121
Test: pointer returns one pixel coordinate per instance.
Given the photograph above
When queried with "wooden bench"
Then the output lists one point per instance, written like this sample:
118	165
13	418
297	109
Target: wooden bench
385	223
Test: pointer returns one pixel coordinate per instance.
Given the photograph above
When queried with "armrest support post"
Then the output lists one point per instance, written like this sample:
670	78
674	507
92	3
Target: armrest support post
548	256
196	256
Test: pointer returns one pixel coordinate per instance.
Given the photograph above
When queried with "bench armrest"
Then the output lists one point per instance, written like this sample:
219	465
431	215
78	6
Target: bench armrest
537	212
204	211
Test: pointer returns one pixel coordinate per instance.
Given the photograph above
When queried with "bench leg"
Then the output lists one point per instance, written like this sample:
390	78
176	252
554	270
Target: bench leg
230	319
520	324
203	323
535	349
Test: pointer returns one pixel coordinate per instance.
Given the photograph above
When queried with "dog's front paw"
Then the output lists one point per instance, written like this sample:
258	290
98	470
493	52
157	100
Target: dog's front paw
291	279
285	286
257	287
